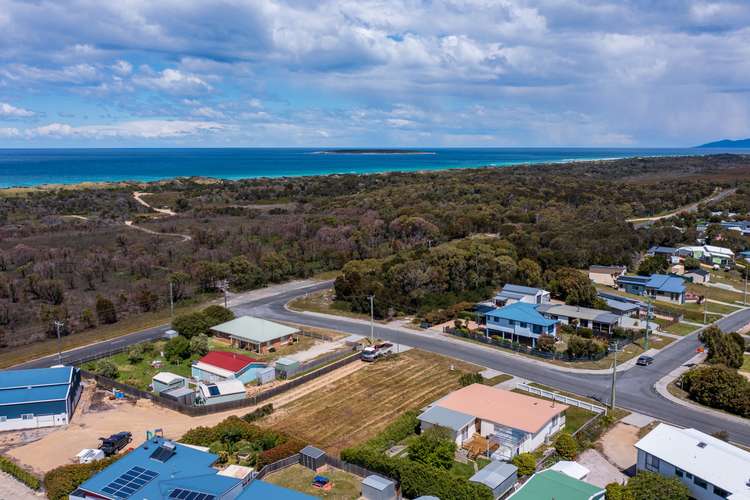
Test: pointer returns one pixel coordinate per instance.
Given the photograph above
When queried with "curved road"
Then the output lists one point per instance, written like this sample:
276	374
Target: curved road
635	387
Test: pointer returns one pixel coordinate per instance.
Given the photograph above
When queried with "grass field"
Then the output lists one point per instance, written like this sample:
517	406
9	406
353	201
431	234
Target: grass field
322	302
715	293
681	329
746	365
345	486
357	407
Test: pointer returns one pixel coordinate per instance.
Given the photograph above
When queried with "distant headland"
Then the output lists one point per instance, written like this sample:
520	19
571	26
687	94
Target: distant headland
374	152
728	144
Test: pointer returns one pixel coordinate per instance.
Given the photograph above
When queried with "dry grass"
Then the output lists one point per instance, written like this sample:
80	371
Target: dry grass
354	409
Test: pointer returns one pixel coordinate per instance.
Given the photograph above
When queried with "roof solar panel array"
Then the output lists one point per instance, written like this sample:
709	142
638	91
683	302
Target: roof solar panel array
183	494
130	482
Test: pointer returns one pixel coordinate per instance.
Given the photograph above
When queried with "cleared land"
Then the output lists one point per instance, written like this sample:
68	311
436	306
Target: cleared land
746	365
323	302
356	408
299	478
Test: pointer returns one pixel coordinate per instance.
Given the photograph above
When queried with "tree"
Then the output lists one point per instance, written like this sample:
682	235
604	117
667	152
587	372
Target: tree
579	347
526	463
470	378
434	447
135	354
179	281
216	315
574	287
566	446
190	325
244	274
87	318
529	272
546	343
199	345
692	263
177	349
616	491
51	291
106	368
105	311
723	348
652	486
653	265
718	387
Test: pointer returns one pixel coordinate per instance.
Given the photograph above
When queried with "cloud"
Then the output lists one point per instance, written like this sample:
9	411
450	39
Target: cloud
172	80
143	129
10	111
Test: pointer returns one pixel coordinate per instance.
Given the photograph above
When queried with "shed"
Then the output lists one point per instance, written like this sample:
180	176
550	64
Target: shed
286	367
572	469
221	392
313	458
165	381
181	395
497	476
265	375
378	488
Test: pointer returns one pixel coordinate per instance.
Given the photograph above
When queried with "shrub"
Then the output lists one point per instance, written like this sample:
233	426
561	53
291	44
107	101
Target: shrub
616	491
106	368
258	413
470	378
19	473
723	348
586	333
652	486
105	311
215	315
190	325
718	387
526	463
434	447
579	347
135	354
177	349
566	446
199	345
546	343
284	450
62	481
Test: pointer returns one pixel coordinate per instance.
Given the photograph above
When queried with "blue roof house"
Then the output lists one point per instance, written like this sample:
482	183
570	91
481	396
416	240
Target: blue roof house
38	397
657	286
518	321
163	469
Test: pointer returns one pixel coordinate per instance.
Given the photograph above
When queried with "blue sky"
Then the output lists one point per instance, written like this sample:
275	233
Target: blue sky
493	73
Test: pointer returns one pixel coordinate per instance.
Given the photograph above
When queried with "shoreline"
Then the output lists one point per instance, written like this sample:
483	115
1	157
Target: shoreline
145	182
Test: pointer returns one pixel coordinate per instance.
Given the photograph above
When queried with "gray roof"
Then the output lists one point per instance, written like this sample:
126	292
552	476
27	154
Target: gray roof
254	329
179	392
377	482
621	306
607	269
494	474
579	312
444	417
700	272
312	451
504	294
525	290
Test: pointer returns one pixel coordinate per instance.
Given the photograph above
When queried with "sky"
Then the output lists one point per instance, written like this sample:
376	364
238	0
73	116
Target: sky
362	73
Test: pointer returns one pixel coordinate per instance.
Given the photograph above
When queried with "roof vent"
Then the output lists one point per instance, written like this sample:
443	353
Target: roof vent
702	445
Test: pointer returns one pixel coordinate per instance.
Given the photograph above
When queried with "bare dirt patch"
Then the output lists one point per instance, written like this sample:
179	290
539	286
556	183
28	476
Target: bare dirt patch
617	445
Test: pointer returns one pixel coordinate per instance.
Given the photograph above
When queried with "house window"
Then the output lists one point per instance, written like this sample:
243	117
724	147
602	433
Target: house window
511	322
700	482
652	463
537	329
524	325
678	472
720	493
27	416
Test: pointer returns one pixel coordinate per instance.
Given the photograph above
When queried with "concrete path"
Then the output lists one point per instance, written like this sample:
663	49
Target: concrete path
10	488
601	472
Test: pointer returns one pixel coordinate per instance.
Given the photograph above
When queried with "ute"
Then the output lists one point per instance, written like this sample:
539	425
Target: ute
371	353
115	443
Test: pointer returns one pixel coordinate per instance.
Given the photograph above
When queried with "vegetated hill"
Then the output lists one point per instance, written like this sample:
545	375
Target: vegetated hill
259	231
728	144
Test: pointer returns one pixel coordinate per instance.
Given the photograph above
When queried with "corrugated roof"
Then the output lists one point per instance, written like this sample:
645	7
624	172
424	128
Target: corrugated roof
261	490
33	394
618	305
225	388
550	484
254	329
445	417
378	482
35	377
579	312
312	451
494	474
666	283
718	462
572	469
502	407
230	361
526	290
167	377
521	311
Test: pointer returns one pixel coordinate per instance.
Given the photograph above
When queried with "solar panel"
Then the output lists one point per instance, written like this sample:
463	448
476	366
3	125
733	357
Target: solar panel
130	482
213	390
183	494
163	452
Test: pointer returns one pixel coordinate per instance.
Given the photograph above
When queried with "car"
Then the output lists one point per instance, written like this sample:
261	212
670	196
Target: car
644	360
115	443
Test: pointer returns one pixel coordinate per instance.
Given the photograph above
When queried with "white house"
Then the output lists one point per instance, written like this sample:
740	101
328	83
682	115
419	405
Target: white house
711	468
606	275
515	422
510	294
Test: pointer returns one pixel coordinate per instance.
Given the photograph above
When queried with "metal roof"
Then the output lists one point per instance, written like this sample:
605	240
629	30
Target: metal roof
35	377
230	361
258	489
553	484
525	290
579	312
377	482
445	417
33	394
254	329
312	451
167	377
522	312
223	387
494	474
666	283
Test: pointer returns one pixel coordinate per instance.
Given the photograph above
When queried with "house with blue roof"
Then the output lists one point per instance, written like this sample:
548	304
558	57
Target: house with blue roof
162	469
519	322
657	286
38	397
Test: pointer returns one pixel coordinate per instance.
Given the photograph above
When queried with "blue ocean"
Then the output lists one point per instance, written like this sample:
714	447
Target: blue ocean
30	167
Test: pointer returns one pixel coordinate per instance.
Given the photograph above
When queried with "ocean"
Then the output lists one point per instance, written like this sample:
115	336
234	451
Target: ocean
31	167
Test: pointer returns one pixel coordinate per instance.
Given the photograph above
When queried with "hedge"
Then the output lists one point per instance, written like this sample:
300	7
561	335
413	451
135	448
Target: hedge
258	413
62	481
284	450
19	473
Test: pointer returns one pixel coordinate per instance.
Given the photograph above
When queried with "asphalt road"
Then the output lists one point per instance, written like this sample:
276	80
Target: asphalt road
635	387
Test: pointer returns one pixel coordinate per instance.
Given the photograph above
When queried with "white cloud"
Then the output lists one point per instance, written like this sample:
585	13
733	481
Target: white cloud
122	68
10	111
143	129
173	80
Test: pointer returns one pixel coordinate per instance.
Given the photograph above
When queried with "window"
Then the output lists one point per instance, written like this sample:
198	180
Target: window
688	475
652	463
3	418
27	416
678	472
720	493
700	482
537	329
524	325
511	322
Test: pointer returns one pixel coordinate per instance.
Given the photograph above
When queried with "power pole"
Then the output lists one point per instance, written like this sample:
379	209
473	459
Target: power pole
171	301
372	319
614	379
705	309
58	325
744	300
648	323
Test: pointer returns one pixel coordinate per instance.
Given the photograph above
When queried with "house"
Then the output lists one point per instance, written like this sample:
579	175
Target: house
517	321
38	397
658	286
697	275
667	252
255	334
221	365
709	467
221	392
166	381
708	254
163	469
549	484
497	476
602	322
511	294
606	275
745	255
516	423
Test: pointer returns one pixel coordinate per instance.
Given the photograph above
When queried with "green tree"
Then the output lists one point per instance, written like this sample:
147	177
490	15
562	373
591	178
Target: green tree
106	368
718	387
135	354
566	446
574	287
179	281
526	463
546	343
105	311
653	265
190	325
199	345
216	315
723	348
244	274
652	486
529	272
87	318
177	349
434	447
616	491
692	263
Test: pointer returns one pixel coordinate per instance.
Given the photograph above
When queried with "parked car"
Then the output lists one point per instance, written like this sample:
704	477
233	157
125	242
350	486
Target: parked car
371	353
115	443
644	360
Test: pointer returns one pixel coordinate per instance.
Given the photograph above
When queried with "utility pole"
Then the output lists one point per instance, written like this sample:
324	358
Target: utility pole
648	323
705	309
744	300
223	285
372	319
614	379
171	300
58	325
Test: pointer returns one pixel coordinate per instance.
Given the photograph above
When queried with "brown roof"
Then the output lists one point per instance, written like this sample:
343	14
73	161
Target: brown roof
502	407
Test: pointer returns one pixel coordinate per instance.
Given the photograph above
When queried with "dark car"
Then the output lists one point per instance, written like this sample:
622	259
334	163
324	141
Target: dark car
115	443
644	360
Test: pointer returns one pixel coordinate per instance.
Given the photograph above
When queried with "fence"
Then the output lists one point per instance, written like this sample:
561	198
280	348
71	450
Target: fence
350	468
195	411
334	462
555	396
318	336
278	465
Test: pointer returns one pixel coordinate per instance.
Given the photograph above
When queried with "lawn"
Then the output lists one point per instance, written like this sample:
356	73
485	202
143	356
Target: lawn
746	365
680	329
357	407
299	478
714	293
575	417
462	470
